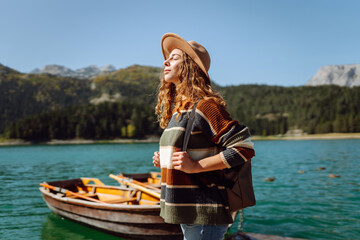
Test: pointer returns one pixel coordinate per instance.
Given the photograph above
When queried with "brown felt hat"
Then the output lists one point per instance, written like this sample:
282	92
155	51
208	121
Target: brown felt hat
196	51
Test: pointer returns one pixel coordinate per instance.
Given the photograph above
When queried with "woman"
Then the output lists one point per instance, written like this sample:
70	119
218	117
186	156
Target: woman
216	142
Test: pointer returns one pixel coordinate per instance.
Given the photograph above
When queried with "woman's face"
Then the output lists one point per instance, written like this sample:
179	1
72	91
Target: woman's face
172	66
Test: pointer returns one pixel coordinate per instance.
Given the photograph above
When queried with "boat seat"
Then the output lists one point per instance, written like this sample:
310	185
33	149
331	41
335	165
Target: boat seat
94	187
148	202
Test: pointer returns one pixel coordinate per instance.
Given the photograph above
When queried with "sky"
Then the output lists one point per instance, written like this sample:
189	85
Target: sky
272	42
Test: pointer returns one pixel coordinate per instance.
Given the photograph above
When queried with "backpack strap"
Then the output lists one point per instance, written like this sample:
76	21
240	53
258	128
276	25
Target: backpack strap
189	127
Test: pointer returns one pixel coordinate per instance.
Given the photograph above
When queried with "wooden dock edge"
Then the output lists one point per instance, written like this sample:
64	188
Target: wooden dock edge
258	236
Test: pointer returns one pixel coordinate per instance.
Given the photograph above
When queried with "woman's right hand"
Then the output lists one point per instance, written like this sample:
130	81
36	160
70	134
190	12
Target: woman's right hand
156	159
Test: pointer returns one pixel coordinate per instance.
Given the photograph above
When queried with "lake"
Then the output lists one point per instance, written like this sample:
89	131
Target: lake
301	202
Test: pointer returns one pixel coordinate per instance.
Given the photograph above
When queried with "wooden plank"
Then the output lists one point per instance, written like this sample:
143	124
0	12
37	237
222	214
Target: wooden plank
134	185
258	236
107	187
121	200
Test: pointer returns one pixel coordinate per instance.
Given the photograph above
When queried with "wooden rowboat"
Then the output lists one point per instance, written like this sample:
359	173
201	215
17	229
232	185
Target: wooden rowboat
120	210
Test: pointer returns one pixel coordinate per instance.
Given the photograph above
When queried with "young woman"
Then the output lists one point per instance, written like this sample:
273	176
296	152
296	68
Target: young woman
216	142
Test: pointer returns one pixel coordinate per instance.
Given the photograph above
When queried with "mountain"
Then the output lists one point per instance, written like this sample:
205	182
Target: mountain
27	94
82	73
6	70
341	75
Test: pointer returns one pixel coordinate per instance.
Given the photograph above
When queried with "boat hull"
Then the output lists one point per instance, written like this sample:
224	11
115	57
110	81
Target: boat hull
128	221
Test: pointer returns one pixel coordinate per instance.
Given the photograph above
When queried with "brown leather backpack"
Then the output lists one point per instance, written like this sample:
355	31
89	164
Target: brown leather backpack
241	193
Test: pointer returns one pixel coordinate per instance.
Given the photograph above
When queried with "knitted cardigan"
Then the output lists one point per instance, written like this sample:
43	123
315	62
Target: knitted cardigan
183	200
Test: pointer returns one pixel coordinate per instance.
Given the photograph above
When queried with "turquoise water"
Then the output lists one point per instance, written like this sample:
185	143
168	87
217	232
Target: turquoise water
310	205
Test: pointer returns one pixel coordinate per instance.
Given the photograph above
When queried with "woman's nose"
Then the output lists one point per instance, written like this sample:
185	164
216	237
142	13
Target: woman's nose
166	63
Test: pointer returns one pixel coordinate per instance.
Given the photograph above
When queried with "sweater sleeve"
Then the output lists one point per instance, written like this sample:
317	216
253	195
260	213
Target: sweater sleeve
216	123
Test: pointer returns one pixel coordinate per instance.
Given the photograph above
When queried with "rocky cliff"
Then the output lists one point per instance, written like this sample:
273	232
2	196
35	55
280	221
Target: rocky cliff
342	75
84	73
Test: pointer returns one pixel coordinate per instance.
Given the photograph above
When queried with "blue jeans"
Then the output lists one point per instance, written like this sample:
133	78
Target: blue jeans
203	232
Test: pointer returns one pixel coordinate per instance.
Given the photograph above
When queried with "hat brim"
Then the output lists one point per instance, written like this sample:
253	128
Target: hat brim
171	41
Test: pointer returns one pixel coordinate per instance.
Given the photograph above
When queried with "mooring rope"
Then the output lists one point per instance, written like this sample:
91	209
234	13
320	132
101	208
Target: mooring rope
240	228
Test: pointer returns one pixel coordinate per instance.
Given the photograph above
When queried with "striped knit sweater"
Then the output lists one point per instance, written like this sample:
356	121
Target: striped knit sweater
182	199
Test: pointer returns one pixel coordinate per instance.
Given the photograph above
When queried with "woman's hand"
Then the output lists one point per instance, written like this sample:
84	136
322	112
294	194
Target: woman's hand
182	161
156	159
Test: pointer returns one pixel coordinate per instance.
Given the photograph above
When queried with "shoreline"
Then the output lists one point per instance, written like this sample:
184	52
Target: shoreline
154	139
16	142
324	136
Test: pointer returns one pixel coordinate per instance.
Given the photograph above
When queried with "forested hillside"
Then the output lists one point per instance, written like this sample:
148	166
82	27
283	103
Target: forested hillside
42	107
271	110
136	83
23	95
102	121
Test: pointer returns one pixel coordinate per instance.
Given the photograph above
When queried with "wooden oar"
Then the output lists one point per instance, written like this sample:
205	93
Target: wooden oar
130	183
139	183
63	190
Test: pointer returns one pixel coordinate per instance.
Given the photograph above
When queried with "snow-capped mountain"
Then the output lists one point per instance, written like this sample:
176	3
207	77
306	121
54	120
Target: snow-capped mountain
83	73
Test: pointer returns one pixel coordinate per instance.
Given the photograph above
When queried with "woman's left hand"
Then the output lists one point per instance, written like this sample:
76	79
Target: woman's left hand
182	161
